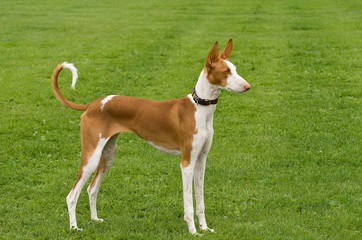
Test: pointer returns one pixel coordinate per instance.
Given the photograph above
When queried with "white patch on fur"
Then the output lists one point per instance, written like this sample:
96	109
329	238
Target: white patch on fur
105	100
74	71
94	159
205	89
235	82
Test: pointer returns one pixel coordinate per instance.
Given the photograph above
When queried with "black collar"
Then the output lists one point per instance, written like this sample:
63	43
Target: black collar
204	102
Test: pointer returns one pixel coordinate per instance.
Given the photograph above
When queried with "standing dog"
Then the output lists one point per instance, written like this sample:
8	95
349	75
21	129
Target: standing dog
181	126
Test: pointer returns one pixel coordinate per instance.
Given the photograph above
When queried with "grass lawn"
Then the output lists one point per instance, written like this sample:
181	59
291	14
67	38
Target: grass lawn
286	156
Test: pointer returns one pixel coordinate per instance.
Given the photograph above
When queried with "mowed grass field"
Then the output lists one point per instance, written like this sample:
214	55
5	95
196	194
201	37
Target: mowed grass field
286	156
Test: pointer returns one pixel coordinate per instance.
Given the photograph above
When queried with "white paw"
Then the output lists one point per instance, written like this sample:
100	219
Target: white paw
196	234
75	228
207	229
98	219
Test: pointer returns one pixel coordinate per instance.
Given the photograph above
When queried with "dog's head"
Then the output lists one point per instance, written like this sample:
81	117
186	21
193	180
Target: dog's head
221	72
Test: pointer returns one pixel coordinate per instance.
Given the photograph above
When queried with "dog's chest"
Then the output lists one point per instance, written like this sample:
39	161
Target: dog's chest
204	124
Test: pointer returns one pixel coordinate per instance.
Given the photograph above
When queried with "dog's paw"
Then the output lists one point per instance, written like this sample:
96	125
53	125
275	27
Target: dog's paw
210	230
98	219
206	229
75	228
196	234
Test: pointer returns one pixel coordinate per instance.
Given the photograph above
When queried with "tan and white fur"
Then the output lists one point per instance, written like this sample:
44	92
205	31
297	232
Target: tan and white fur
180	126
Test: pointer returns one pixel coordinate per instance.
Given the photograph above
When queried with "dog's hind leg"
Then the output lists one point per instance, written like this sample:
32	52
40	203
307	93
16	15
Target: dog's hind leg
106	161
91	154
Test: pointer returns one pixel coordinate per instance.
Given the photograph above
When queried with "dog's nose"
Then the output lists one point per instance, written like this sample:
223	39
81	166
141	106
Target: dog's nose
246	87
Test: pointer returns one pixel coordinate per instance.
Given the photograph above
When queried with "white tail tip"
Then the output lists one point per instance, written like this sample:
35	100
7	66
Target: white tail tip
74	71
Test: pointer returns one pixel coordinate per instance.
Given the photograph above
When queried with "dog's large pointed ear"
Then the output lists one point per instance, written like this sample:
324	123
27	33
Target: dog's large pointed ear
227	51
213	56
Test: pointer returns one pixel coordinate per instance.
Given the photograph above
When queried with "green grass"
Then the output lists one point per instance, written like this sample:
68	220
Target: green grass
286	156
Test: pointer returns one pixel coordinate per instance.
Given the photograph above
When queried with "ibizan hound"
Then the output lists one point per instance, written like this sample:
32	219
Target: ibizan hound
182	126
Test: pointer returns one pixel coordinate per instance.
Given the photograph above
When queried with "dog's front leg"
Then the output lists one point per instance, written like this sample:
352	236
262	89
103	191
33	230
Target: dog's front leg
187	177
199	173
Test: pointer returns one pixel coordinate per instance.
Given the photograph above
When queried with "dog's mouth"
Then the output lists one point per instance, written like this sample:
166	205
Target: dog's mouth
245	89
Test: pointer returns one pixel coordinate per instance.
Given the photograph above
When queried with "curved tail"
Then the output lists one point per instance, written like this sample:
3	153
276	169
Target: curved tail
58	94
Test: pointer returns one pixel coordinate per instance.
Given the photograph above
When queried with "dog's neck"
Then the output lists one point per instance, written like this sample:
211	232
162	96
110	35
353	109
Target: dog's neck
204	89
